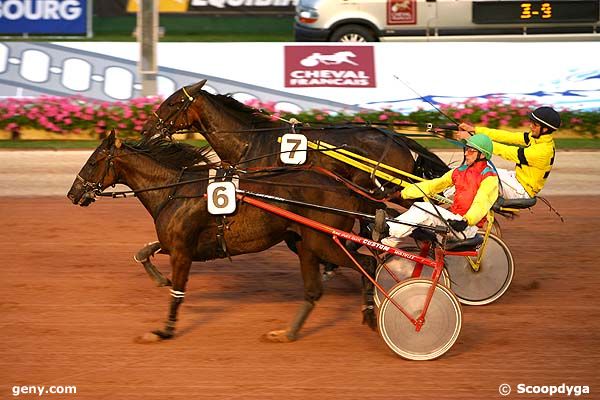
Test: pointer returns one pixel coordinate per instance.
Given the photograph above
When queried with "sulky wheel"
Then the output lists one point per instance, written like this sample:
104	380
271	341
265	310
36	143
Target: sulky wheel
402	270
490	281
495	230
442	320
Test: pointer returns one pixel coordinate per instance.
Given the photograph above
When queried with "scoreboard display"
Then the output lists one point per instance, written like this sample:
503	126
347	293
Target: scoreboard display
535	12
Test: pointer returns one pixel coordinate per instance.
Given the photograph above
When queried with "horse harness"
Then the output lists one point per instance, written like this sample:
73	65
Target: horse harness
166	125
222	175
214	175
92	189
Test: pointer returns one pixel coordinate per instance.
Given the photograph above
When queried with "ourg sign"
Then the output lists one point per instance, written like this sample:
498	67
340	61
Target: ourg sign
46	17
329	66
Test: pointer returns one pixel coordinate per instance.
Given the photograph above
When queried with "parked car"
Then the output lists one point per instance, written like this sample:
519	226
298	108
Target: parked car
375	20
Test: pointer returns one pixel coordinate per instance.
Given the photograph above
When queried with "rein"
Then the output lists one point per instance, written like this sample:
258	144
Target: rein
289	151
263	170
96	187
124	193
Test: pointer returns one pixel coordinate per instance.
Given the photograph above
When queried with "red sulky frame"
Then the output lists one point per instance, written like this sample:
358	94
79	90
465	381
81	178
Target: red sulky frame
421	260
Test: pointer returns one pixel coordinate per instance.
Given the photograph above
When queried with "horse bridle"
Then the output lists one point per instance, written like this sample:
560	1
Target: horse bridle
166	126
93	189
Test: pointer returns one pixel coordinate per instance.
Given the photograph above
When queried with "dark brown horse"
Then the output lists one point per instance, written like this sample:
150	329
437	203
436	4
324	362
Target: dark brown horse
187	232
242	136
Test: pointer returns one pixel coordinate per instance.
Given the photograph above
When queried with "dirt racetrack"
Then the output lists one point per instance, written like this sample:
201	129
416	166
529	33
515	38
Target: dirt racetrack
73	300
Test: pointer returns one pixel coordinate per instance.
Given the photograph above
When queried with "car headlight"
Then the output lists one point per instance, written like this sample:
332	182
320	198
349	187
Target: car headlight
307	15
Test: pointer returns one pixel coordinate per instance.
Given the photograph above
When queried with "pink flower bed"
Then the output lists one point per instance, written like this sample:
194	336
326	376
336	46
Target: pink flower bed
75	114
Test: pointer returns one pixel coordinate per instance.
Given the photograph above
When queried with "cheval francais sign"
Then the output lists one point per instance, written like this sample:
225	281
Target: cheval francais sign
329	66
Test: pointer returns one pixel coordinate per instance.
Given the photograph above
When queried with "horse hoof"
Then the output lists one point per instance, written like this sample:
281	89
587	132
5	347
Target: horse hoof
327	276
370	319
148	338
163	283
166	334
280	336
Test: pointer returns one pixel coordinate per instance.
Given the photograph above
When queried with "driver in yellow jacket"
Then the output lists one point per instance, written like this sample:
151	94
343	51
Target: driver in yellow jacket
533	152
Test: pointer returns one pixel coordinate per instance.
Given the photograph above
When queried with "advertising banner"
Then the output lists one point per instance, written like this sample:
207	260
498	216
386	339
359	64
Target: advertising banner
375	76
221	6
329	66
45	17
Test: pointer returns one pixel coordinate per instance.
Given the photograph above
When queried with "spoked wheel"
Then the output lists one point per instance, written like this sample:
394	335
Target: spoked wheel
442	321
488	283
402	270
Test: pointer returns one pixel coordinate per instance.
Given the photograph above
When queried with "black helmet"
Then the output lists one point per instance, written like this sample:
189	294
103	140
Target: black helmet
547	117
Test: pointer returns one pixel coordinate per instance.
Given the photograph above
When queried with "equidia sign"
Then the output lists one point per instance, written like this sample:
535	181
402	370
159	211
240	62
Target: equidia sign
220	6
56	17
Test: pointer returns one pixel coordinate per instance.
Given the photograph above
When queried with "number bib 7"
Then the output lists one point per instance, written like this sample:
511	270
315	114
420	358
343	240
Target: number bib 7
293	148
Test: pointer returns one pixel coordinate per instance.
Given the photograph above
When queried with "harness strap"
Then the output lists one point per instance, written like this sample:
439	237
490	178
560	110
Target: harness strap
383	154
221	243
171	195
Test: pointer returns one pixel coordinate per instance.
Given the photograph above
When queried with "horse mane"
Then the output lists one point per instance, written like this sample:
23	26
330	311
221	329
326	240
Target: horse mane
246	114
171	154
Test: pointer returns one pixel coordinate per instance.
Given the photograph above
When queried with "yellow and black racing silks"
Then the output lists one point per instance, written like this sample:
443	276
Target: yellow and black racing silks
534	157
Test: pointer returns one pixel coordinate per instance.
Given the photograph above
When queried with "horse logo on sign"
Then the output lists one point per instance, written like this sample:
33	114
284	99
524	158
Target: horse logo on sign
340	57
401	12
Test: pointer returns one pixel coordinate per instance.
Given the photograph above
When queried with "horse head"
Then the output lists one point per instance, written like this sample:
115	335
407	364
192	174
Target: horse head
97	174
174	114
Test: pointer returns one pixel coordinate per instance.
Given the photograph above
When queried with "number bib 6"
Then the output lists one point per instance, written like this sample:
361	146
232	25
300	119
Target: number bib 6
221	198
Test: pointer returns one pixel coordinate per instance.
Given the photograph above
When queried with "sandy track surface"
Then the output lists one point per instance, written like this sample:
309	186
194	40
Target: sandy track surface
73	300
51	173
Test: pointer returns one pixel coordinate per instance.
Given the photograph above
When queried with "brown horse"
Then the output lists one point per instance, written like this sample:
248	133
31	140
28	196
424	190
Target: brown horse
242	136
187	232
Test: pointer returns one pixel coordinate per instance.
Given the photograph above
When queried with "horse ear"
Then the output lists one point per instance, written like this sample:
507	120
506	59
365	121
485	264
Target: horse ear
196	87
111	137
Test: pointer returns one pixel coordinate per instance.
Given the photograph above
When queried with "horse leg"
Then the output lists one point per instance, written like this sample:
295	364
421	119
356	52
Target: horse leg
330	268
313	289
181	269
143	257
329	271
368	289
369	264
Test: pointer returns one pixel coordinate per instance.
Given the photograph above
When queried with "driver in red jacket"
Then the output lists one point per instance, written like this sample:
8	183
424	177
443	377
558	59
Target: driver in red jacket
476	185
